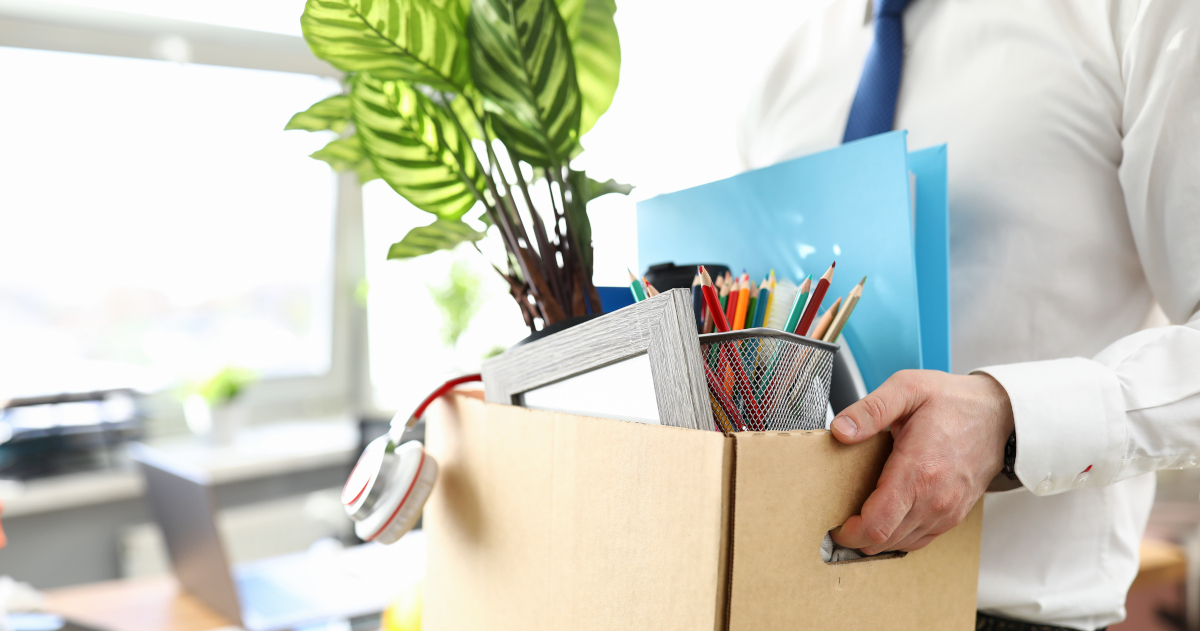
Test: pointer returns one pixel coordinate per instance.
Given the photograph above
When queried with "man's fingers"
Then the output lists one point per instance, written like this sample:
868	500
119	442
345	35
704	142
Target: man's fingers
891	402
882	514
911	539
920	543
913	527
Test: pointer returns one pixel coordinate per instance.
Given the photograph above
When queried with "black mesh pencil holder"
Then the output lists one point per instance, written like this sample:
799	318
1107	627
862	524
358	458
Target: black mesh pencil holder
765	379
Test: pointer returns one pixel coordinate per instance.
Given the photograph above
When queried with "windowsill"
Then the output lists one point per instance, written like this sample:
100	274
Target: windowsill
257	452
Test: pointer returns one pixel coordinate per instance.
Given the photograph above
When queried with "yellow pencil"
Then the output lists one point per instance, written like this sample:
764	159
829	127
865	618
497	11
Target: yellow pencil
770	282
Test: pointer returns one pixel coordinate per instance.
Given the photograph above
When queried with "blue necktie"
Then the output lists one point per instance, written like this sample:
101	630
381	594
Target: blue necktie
874	108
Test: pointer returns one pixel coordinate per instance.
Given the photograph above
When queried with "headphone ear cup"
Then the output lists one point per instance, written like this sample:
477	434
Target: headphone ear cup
407	491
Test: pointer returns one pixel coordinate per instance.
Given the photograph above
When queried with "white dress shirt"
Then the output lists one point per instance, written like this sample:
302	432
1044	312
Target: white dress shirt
1074	160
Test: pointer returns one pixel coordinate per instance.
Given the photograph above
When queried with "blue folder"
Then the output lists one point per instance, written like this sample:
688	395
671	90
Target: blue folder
853	204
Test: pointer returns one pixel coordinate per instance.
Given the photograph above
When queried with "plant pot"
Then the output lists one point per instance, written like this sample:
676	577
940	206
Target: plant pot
561	325
218	424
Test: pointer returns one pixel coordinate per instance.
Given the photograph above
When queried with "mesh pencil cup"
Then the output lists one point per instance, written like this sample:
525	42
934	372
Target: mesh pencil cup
765	379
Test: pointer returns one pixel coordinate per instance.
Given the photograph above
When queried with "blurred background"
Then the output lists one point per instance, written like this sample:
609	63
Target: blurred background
175	269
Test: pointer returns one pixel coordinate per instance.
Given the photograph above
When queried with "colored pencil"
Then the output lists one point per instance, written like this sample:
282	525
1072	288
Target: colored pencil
798	305
781	300
698	301
826	320
753	310
650	290
770	282
723	287
839	322
731	305
743	303
763	303
710	298
814	303
635	285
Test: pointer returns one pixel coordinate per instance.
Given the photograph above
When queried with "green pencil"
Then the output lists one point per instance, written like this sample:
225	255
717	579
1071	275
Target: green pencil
635	285
798	306
764	299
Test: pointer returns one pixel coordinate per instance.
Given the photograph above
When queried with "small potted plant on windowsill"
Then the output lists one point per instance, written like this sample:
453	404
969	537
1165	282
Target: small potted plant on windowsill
466	108
212	408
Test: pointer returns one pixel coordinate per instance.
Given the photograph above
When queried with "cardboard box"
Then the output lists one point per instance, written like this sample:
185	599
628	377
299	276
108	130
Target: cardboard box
549	521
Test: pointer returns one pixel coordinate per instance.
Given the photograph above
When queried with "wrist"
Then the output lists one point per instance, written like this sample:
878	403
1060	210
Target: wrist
997	408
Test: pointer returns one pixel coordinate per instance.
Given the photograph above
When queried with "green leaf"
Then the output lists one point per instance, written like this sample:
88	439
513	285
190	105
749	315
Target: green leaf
442	234
415	147
591	189
346	154
332	114
597	52
572	15
458	300
583	190
411	40
457	10
521	62
467	115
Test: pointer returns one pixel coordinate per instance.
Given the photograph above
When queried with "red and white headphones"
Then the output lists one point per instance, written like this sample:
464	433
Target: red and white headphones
388	487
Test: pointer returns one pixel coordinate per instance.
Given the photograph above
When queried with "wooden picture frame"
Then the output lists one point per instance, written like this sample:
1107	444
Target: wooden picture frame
663	328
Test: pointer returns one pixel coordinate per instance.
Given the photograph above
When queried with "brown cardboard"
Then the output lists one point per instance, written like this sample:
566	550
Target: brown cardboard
779	578
543	520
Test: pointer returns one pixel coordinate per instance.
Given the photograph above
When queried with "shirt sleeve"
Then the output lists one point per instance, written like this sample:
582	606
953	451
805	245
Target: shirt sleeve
1135	407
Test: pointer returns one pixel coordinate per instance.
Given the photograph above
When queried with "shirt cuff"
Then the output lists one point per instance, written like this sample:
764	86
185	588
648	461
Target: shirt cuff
1069	416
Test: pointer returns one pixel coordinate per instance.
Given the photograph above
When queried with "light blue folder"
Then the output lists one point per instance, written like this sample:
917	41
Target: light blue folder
852	204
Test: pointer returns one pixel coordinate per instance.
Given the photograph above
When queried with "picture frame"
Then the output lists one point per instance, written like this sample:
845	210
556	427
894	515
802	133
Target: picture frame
662	328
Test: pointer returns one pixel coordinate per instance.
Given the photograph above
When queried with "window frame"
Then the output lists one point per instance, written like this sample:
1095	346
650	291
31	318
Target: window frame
344	389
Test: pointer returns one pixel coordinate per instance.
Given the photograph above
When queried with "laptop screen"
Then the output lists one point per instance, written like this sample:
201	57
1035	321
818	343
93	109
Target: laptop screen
182	501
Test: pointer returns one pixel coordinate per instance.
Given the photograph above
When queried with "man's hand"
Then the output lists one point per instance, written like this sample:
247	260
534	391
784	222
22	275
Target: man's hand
948	434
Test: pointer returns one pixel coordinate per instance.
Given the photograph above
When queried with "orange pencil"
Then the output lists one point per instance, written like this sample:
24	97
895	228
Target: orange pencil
743	303
710	299
810	312
826	320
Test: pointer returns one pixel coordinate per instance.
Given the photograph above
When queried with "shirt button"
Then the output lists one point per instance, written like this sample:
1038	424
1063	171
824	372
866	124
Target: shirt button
1044	486
1082	477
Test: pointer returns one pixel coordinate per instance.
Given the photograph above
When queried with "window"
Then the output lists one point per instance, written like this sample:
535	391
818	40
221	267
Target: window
157	223
209	235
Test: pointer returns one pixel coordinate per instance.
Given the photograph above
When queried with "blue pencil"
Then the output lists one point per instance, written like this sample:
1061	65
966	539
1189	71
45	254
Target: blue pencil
760	312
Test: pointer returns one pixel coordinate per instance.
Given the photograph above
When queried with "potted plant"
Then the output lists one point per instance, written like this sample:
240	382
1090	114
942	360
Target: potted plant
465	107
211	407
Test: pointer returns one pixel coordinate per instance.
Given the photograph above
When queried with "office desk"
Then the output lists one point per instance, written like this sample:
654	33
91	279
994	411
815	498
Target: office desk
147	604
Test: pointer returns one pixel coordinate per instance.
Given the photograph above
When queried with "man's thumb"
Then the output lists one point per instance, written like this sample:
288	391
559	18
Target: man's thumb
890	402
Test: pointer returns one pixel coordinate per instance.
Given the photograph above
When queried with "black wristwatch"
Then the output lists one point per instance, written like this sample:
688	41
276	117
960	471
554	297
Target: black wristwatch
1010	457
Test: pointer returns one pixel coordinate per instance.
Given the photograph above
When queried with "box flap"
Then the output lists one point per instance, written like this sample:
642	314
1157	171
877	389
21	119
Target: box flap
792	488
544	520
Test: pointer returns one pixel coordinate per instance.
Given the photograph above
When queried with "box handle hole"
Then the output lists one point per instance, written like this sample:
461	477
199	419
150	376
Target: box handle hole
833	554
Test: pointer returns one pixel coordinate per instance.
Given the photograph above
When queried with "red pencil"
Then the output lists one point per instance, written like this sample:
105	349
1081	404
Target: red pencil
818	294
714	304
732	304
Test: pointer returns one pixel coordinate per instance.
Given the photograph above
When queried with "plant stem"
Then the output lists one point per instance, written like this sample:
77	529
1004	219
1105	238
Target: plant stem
558	283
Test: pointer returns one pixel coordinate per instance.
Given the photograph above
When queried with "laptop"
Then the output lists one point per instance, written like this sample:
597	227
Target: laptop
277	593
